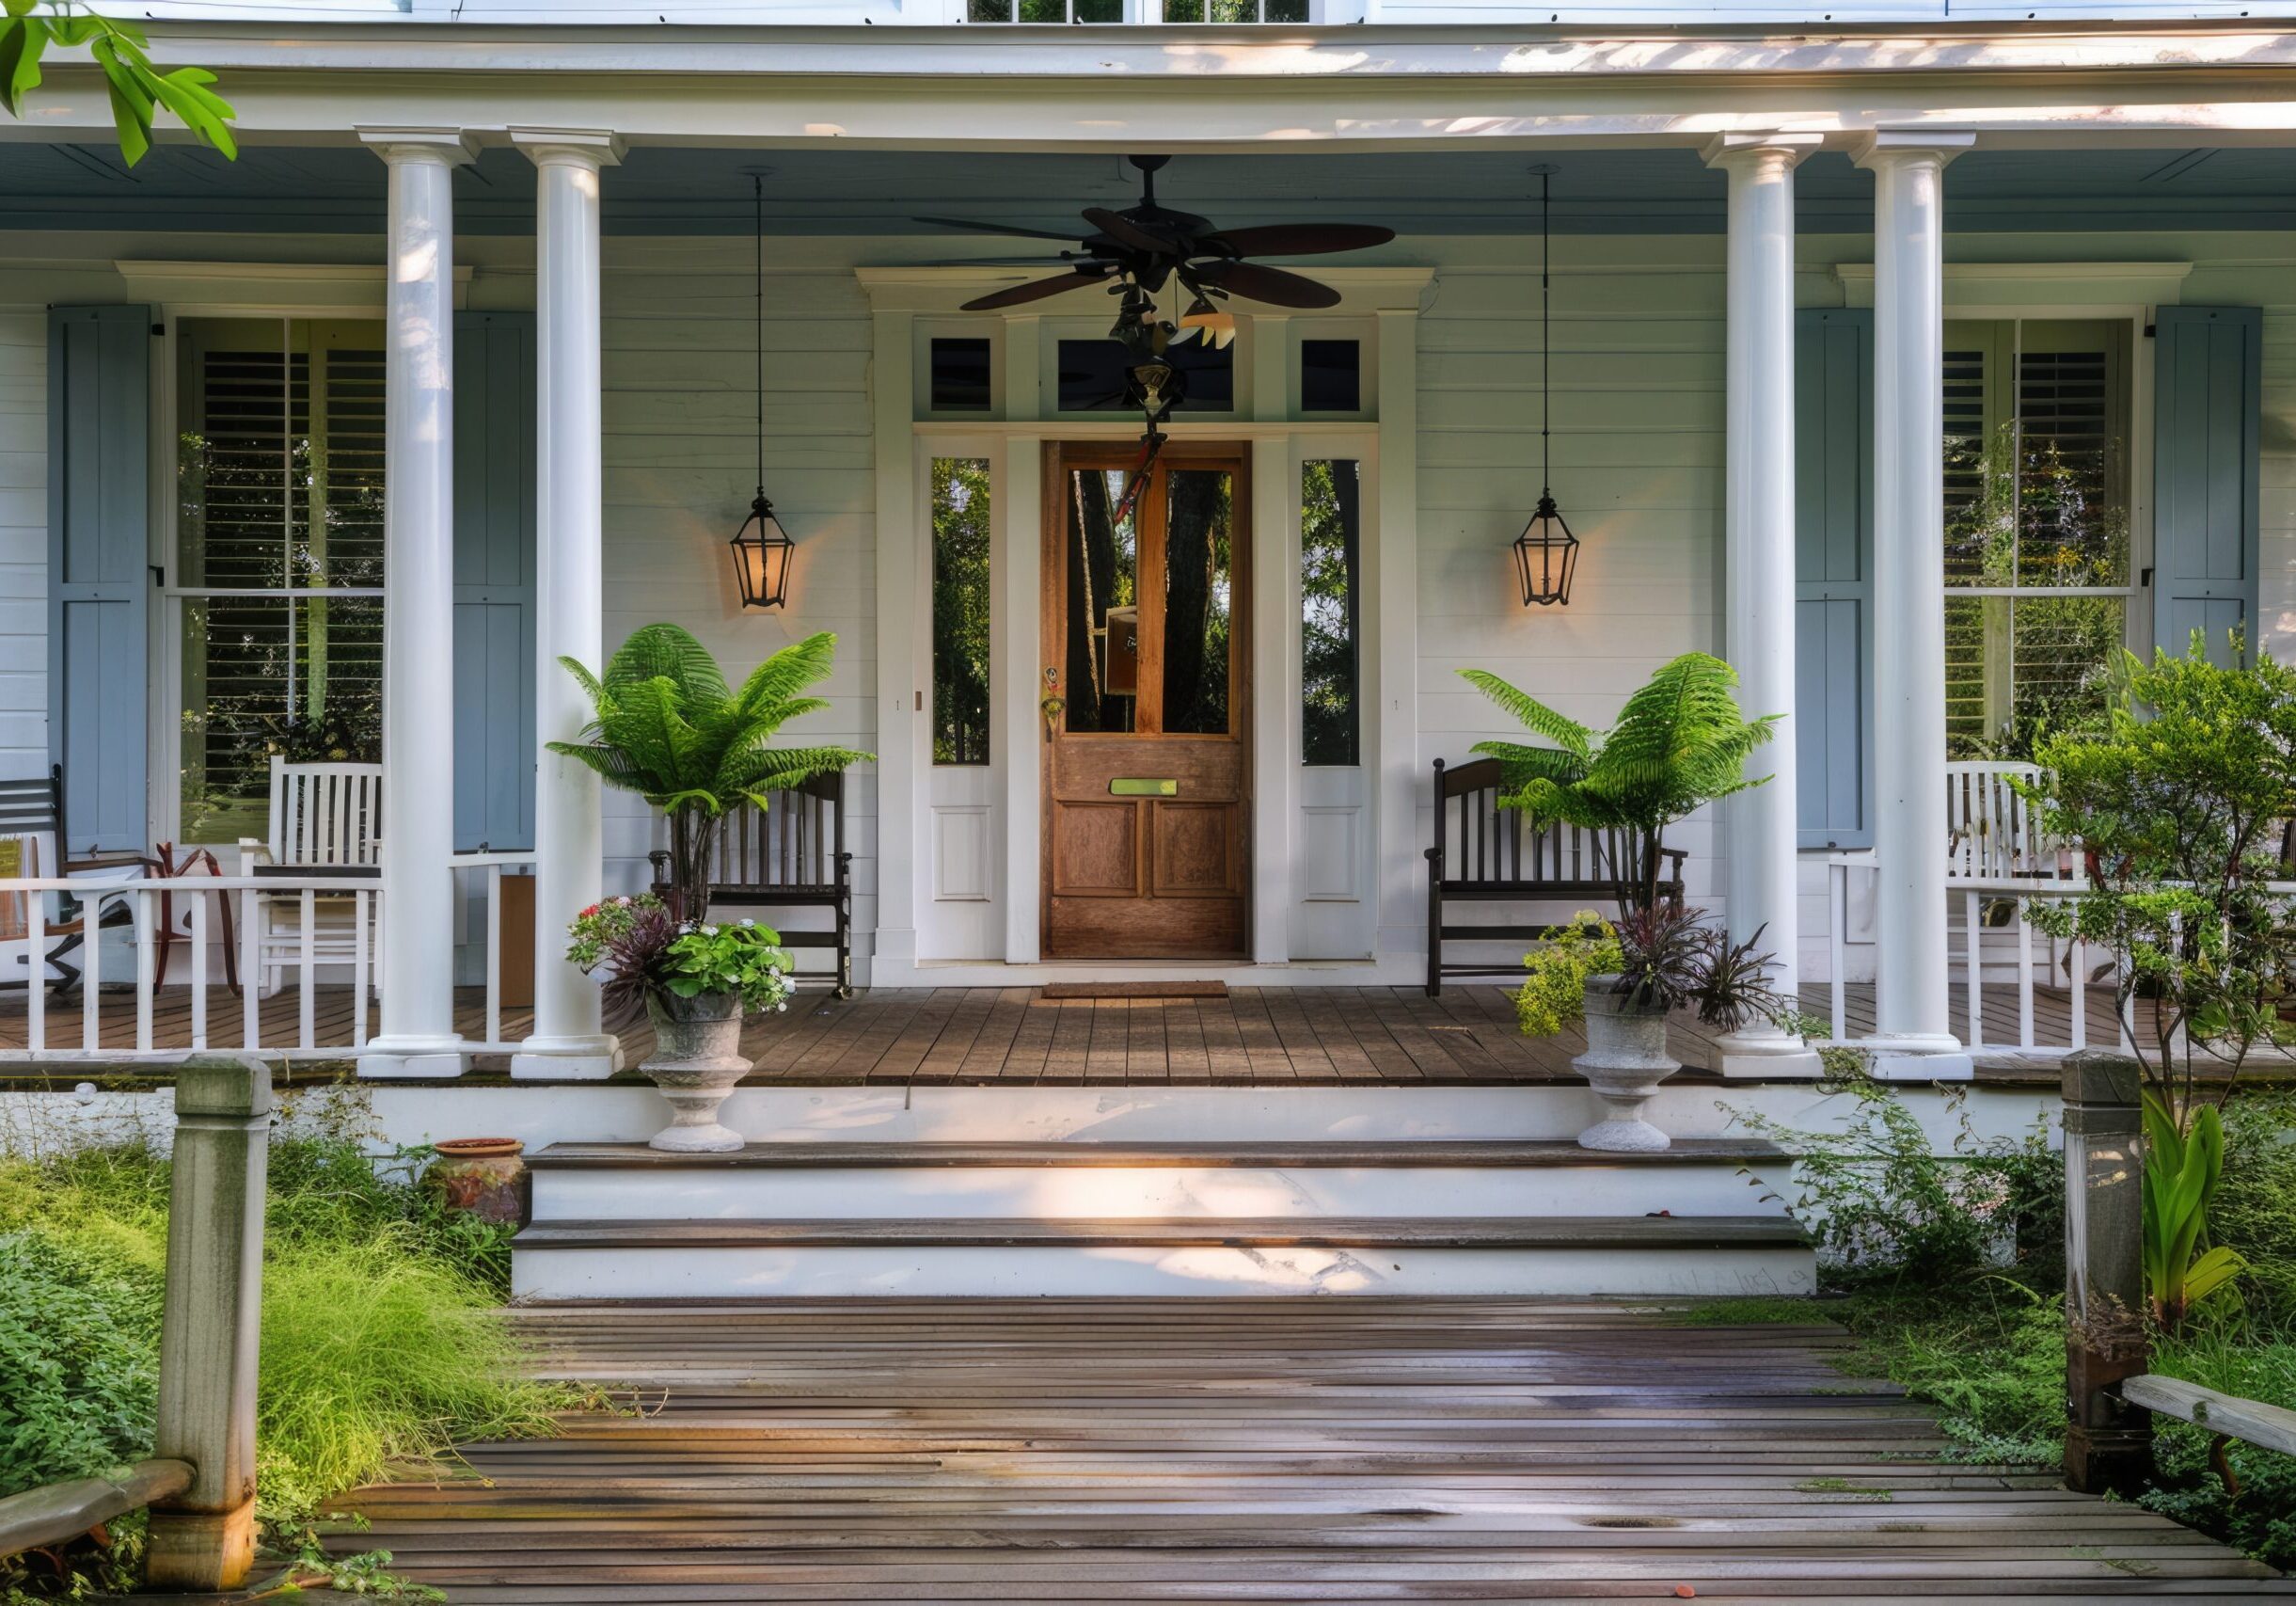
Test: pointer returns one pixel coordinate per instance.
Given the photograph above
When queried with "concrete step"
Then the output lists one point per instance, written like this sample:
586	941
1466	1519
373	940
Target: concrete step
1200	1181
1631	1255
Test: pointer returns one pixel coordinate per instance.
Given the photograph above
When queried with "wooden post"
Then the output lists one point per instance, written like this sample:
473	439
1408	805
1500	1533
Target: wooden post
2108	1441
204	1538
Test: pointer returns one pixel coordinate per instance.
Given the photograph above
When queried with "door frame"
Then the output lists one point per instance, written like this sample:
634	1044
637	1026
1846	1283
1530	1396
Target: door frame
1058	455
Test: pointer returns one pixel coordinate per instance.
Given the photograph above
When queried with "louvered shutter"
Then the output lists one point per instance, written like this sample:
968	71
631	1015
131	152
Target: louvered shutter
1833	563
99	581
2208	404
494	580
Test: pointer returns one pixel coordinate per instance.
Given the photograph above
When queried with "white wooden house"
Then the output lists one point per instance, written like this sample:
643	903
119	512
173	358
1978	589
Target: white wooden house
1847	308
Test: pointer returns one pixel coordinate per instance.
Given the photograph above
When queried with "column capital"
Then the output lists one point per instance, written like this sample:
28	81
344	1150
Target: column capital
1761	145
1883	145
447	146
584	147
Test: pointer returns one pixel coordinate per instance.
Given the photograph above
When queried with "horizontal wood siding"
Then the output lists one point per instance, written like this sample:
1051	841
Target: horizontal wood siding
681	465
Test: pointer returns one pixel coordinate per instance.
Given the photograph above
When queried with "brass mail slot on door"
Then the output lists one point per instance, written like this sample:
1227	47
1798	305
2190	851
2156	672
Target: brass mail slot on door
1136	789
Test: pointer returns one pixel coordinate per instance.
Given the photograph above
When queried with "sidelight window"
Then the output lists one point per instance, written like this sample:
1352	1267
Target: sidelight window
961	610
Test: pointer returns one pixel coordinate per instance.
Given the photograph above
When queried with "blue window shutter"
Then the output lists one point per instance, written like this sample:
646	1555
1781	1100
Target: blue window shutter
1833	575
99	578
2207	391
494	580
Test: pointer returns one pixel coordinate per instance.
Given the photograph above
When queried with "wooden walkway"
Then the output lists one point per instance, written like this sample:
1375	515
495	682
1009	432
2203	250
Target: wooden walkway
1300	1450
1271	1036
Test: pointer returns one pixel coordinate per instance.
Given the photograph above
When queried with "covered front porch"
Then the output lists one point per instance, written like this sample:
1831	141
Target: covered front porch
1775	362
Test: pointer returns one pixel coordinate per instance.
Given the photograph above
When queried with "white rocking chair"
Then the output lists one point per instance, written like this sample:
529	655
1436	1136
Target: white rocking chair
325	820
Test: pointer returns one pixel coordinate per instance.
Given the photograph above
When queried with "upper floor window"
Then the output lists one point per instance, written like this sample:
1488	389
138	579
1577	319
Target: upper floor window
1138	11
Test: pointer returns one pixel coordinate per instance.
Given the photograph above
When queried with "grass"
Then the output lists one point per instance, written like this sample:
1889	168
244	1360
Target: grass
382	1340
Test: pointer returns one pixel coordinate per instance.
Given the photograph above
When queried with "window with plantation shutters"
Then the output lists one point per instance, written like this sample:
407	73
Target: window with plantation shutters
2038	576
278	567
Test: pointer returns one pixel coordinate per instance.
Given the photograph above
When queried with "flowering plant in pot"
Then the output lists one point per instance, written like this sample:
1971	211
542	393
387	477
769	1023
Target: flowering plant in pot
668	727
1680	742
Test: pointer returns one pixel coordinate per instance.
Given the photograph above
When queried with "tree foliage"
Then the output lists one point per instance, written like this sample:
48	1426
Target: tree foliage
2175	800
668	728
138	89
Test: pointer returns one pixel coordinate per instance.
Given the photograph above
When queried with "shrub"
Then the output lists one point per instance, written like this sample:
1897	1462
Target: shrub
1886	1208
1554	990
381	1341
2254	1212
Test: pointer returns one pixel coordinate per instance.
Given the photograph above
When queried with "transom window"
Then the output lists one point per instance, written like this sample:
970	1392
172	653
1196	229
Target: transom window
2037	526
279	564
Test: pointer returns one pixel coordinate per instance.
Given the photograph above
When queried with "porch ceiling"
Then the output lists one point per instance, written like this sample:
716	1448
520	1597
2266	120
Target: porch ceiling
662	190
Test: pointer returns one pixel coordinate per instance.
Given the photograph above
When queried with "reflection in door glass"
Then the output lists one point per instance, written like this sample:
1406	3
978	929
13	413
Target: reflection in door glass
1102	657
1198	567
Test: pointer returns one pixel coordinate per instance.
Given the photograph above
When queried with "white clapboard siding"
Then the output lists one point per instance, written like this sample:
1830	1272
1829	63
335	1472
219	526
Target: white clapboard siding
23	539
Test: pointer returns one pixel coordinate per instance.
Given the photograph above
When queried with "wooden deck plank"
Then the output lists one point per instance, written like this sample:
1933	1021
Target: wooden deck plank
1470	1448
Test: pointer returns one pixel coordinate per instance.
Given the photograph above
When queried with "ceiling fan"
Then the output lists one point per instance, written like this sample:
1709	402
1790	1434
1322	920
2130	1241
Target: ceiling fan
1146	247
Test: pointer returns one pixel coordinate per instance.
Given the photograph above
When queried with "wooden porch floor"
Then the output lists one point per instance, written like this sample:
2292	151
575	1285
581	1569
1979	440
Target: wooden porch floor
1016	1035
1244	1450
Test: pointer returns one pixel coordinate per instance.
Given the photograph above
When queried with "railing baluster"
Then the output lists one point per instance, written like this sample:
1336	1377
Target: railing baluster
92	946
199	970
2024	978
306	959
36	966
251	974
494	953
358	967
2079	967
143	903
1838	938
1973	904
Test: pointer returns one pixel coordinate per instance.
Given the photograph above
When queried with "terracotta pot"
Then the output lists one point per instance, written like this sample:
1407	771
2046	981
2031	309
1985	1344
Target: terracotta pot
696	1063
485	1176
1624	1062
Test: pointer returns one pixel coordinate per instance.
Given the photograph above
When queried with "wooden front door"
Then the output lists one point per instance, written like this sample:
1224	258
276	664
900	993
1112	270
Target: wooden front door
1147	760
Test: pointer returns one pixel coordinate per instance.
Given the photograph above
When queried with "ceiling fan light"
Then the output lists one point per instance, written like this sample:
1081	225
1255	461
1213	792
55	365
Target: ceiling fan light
1215	324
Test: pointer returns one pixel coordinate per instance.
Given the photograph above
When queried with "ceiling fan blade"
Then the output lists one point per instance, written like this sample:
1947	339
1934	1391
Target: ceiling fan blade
1124	231
980	228
1036	290
1300	239
1271	285
1066	259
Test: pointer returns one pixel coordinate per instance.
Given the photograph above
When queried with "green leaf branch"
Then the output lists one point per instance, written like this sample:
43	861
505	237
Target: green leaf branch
138	89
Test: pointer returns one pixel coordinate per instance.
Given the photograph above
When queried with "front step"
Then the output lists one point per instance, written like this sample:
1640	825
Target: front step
1416	1255
1211	1180
1036	1218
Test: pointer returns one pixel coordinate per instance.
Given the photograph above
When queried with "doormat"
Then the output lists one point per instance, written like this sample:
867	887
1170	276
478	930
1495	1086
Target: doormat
1136	990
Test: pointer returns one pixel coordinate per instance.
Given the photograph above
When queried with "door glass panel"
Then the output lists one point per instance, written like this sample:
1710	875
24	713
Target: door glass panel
1199	570
1102	656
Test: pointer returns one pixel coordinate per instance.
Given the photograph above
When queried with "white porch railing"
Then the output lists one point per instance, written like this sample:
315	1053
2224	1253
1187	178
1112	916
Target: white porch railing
315	1033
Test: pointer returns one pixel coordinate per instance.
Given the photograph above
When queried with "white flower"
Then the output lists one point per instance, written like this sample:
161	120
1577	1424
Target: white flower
749	922
783	1006
710	930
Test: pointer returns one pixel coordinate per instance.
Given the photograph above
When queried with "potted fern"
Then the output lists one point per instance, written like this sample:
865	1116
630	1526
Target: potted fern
1680	742
668	727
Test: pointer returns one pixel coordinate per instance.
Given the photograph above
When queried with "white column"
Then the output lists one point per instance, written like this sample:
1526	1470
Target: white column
569	592
1911	1005
417	948
1758	535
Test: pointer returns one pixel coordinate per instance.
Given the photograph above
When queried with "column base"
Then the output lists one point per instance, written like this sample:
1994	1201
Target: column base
201	1550
1919	1057
403	1057
567	1058
1765	1054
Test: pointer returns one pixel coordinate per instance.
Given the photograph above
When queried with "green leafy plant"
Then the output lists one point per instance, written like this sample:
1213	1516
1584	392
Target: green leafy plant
138	89
1680	742
1553	995
668	728
1888	1210
2175	801
2183	1165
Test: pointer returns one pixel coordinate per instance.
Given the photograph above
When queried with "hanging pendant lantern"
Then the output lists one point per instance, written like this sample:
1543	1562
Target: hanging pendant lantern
761	548
1545	553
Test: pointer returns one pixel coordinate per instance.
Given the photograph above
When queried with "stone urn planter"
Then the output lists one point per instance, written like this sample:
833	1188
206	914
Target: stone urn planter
696	1063
1624	1062
485	1177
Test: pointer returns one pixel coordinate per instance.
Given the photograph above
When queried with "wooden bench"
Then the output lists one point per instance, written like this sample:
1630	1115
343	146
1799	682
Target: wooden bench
1484	853
790	856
